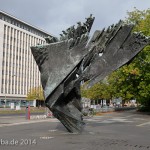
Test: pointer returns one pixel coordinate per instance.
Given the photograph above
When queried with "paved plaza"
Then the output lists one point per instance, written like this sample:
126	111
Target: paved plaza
127	130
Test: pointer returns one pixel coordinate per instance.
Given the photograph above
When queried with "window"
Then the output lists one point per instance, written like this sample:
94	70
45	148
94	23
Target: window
14	32
4	36
11	38
3	62
3	53
11	47
3	45
2	74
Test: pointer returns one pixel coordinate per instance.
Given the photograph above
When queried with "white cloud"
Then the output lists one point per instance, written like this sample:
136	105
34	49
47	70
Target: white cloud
56	15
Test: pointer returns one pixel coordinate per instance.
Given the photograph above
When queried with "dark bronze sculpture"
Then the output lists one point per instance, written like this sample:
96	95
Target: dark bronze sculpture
74	58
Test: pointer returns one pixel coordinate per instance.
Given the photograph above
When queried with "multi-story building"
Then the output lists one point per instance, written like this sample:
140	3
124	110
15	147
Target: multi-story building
18	70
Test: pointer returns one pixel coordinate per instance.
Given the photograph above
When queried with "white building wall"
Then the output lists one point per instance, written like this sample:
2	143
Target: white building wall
1	50
22	73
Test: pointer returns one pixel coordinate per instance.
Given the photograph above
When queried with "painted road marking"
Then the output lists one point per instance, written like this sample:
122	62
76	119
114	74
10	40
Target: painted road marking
4	117
112	120
143	124
29	122
129	116
46	137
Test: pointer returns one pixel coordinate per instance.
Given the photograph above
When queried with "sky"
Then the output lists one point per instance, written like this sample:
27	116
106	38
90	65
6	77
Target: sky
53	16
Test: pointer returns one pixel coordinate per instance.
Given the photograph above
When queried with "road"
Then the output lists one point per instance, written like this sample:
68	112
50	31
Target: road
115	131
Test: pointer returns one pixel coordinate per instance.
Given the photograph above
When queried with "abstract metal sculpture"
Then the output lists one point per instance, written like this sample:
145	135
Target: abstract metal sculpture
64	63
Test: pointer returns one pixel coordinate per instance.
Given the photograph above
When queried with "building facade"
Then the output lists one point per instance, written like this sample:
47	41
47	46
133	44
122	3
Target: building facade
18	70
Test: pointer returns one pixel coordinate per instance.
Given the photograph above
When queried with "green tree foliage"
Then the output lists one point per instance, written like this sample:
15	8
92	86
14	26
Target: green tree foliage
120	81
101	90
141	19
36	93
132	80
140	67
95	92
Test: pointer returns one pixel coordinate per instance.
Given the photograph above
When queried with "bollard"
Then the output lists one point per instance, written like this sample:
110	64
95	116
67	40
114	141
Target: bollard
28	112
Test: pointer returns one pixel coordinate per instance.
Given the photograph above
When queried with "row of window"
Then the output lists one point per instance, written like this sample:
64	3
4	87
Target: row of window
17	60
14	91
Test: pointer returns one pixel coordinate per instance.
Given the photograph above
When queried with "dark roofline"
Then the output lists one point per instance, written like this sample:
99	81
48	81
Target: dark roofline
36	28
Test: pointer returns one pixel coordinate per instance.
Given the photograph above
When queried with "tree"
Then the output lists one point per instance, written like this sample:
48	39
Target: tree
101	90
35	93
120	81
141	19
134	79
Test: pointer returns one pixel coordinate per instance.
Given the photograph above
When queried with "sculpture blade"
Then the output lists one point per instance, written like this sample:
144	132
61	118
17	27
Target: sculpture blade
119	49
56	61
64	63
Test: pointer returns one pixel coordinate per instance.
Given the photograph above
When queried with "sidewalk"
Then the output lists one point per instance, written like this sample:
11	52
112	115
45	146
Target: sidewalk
19	120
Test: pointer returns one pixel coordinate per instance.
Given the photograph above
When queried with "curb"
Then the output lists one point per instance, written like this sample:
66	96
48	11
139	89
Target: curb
40	117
